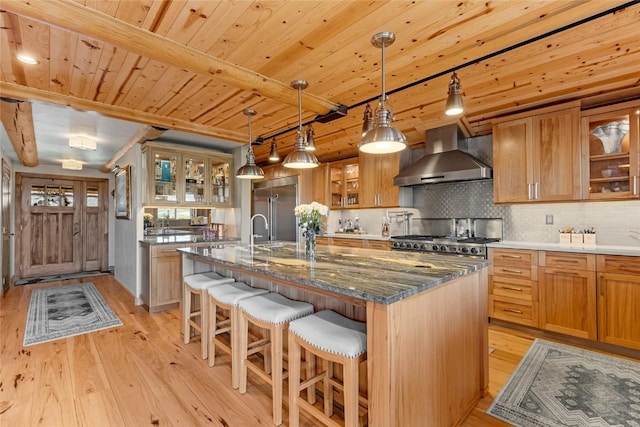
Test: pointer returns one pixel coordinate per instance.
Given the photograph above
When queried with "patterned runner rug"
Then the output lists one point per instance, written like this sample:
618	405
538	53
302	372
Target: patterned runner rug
558	385
65	311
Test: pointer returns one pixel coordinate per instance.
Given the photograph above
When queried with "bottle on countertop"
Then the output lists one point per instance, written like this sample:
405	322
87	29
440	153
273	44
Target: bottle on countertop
385	226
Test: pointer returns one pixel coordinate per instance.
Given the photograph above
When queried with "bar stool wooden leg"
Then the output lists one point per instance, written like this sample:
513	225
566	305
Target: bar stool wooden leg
204	323
276	371
243	338
351	393
310	372
186	314
327	387
294	382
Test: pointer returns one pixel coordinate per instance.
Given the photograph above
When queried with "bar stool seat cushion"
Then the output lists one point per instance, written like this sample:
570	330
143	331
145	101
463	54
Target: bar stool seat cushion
333	333
233	293
205	280
274	308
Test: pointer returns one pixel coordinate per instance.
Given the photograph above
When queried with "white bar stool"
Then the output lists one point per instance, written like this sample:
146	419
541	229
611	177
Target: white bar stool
272	312
197	284
334	339
227	297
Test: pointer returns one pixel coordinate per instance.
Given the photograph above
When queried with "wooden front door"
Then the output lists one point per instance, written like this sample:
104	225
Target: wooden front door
61	224
6	226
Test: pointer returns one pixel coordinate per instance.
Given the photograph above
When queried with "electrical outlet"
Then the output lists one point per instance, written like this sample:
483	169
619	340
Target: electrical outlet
548	219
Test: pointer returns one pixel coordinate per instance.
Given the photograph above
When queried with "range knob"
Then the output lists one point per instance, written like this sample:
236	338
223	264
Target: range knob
403	245
434	247
416	246
423	247
475	250
442	248
465	249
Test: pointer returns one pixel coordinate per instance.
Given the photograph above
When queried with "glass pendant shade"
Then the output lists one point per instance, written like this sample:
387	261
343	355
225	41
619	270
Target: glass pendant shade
454	104
310	144
273	154
382	138
300	158
250	170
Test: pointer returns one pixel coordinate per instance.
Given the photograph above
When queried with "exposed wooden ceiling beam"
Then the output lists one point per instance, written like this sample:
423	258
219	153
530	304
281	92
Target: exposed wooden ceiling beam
75	17
17	120
15	91
144	134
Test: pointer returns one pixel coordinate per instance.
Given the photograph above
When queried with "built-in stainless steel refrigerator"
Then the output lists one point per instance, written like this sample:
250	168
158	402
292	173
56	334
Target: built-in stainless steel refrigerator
276	199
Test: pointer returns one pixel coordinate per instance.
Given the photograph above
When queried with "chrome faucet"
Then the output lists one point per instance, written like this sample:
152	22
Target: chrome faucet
266	226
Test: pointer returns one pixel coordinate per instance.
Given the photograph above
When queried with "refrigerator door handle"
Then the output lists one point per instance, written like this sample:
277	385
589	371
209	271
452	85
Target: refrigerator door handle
272	218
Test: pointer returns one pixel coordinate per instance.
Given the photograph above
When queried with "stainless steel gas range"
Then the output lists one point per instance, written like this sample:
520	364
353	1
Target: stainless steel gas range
454	236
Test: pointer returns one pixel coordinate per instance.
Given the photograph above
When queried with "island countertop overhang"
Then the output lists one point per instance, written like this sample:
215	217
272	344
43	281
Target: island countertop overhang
367	274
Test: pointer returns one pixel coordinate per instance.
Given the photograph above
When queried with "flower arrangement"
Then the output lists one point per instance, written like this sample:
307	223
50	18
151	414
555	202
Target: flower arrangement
309	216
309	220
148	219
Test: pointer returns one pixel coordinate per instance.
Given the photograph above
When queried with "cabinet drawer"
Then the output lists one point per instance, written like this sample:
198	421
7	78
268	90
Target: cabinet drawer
568	260
618	264
349	243
520	289
514	311
519	272
321	240
385	245
513	257
163	251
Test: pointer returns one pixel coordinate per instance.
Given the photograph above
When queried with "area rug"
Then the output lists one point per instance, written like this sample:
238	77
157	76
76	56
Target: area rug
558	385
65	311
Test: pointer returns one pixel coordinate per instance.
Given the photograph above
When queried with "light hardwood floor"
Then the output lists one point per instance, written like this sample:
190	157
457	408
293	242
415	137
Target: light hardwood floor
142	374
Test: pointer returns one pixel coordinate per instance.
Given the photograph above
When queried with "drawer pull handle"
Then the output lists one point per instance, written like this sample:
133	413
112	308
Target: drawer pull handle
512	310
512	256
508	270
571	261
511	288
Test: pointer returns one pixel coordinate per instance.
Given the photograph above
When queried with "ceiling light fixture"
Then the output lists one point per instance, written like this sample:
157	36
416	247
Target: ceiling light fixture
72	165
273	154
383	138
300	158
454	105
250	170
26	59
311	142
367	120
83	142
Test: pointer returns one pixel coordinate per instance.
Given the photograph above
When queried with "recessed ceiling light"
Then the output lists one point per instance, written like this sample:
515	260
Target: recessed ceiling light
27	59
72	164
82	142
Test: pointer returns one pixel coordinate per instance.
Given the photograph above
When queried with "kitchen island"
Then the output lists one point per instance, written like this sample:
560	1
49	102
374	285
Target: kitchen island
426	318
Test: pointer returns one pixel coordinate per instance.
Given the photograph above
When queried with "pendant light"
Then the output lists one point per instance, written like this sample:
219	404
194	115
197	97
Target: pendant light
454	100
300	158
383	138
273	154
311	142
250	170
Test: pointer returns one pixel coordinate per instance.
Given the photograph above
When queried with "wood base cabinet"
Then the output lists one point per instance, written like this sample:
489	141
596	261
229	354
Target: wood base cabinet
161	276
513	286
568	293
619	300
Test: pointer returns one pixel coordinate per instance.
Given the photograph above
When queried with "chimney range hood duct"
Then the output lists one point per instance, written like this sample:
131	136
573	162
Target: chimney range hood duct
446	161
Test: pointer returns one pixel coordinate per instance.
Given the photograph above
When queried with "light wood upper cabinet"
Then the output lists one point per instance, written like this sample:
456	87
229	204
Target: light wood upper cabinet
568	293
376	180
344	184
611	152
537	157
320	184
186	177
619	300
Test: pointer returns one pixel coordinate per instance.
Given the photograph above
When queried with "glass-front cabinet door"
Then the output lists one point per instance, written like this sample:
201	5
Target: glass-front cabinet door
220	182
194	179
612	153
164	189
344	183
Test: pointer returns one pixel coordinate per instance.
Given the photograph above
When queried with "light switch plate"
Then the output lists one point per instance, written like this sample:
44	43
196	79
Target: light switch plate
548	219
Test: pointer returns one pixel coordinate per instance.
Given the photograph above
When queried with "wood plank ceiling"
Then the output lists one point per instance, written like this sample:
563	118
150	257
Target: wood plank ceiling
195	65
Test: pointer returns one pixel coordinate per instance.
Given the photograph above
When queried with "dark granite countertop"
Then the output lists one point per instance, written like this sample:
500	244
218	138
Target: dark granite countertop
372	275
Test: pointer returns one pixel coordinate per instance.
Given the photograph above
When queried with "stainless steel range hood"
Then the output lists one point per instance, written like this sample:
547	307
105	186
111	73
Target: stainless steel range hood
446	160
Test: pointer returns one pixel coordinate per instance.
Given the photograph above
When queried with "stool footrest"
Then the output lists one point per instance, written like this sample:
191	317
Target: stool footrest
318	414
311	381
